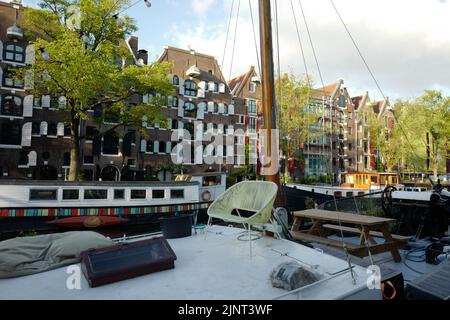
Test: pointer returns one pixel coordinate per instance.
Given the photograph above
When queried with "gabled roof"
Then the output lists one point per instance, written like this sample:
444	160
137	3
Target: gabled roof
237	84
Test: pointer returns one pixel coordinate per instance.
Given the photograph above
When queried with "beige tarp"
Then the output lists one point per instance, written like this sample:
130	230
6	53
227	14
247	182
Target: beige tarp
30	255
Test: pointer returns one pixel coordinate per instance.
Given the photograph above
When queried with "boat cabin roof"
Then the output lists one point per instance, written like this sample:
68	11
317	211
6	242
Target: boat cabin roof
118	184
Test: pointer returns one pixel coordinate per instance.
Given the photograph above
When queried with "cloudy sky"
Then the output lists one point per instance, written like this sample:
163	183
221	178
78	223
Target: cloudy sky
405	42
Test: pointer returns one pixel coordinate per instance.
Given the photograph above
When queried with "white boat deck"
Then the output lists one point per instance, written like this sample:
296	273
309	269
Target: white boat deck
218	268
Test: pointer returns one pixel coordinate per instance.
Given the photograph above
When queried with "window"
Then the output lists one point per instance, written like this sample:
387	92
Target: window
216	87
71	194
252	87
212	181
190	110
177	194
225	109
149	148
66	162
189	127
111	144
174	124
216	108
43	194
172	101
350	162
190	88
158	194
52	130
252	106
240	119
252	123
11	133
23	158
11	106
162	147
14	52
92	194
350	146
175	80
119	194
88	160
10	80
91	132
138	194
37	102
131	162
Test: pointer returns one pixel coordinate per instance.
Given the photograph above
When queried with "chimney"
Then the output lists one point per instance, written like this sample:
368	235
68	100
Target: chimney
133	42
143	54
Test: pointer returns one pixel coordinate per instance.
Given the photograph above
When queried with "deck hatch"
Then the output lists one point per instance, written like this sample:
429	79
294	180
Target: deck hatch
126	261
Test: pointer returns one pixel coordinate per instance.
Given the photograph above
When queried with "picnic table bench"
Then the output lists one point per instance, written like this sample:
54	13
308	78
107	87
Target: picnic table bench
367	227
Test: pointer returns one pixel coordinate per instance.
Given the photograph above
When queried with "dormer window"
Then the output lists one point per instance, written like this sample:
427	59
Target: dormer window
11	106
190	110
13	52
190	88
175	80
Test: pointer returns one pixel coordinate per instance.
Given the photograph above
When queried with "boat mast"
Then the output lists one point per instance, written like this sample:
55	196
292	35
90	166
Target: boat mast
268	89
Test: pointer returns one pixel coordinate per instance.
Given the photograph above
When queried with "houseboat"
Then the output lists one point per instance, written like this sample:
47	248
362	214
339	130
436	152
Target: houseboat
301	196
43	205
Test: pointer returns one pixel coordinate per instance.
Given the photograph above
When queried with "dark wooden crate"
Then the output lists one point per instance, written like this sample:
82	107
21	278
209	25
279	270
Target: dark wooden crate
126	261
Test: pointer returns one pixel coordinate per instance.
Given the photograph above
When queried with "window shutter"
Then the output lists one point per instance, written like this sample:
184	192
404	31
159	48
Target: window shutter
211	107
29	54
181	108
198	131
45	101
230	129
211	86
201	111
220	128
28	80
199	154
26	134
231	109
222	88
62	101
60	129
210	127
181	87
169	123
156	147
220	151
180	125
201	89
44	127
32	159
28	106
221	108
168	147
143	146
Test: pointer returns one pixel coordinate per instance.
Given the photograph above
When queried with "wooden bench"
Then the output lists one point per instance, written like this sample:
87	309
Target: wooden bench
367	227
357	231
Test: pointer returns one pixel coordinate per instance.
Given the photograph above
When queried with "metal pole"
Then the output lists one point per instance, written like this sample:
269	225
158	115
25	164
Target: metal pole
268	90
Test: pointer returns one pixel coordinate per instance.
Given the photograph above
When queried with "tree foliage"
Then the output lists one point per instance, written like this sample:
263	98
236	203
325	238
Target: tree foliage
81	54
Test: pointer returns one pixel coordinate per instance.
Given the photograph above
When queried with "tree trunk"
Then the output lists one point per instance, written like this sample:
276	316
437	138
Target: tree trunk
74	149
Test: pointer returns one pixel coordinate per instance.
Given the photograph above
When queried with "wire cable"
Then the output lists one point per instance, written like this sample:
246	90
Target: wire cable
299	40
228	32
234	39
254	36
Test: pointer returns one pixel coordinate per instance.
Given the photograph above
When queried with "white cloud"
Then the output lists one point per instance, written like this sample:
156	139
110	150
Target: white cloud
202	6
404	41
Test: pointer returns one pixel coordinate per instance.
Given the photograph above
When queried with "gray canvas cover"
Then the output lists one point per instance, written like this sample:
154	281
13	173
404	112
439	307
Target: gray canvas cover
30	255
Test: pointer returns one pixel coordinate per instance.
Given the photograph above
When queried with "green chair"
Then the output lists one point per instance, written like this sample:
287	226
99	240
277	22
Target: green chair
248	203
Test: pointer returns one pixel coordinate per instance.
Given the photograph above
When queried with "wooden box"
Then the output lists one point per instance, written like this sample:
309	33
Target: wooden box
126	261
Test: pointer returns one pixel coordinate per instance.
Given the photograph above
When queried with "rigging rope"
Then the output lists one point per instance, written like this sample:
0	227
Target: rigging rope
228	32
300	40
254	36
234	40
374	79
280	87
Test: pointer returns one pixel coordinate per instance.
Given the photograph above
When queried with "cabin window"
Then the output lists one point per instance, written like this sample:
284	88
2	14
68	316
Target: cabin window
212	181
177	194
138	194
361	193
119	194
93	194
158	194
71	194
383	180
374	179
43	194
349	194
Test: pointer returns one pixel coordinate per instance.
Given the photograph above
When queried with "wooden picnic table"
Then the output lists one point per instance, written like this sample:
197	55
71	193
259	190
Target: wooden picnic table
367	227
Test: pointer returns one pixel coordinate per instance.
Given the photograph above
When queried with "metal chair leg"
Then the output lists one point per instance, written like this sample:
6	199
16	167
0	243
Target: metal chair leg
207	226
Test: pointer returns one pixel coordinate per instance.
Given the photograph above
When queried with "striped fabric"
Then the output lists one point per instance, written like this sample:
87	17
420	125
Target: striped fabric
76	212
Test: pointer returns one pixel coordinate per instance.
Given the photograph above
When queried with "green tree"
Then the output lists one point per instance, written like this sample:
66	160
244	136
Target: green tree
82	54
